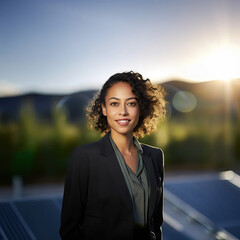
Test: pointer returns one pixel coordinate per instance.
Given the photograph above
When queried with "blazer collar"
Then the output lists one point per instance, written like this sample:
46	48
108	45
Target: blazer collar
106	148
107	151
152	183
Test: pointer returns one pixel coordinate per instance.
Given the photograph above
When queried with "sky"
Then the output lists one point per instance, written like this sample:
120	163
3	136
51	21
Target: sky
64	46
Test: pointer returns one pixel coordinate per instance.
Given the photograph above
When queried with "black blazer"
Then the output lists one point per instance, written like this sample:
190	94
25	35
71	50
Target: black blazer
96	201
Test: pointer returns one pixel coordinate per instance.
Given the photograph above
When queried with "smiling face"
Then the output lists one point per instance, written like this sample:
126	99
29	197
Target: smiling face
121	109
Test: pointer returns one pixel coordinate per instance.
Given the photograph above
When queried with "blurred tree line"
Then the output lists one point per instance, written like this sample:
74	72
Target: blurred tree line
39	151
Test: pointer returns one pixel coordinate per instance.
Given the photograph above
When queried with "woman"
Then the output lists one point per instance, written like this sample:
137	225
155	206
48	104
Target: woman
114	187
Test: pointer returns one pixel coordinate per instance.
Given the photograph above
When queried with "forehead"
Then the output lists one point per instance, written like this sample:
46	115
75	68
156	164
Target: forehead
120	90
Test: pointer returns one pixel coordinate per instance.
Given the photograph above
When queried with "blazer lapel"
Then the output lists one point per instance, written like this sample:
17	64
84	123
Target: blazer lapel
112	163
152	184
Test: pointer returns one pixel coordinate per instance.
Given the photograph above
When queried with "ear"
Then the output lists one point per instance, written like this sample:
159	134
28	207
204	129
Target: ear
104	111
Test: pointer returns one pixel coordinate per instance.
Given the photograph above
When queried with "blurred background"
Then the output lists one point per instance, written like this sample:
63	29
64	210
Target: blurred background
56	54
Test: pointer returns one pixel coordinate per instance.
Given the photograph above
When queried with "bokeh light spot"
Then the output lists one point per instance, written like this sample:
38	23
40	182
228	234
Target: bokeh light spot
184	101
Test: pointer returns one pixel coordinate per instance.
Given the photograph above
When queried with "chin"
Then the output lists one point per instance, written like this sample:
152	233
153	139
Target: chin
123	131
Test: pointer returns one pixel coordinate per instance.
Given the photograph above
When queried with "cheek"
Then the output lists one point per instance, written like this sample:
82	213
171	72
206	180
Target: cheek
110	112
136	112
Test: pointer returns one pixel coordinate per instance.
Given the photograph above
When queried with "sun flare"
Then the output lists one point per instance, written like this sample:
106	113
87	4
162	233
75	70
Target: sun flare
221	64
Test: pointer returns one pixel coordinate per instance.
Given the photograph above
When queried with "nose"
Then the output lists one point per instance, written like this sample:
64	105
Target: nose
123	110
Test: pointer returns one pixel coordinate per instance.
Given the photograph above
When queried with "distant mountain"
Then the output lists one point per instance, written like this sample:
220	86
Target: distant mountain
44	104
210	98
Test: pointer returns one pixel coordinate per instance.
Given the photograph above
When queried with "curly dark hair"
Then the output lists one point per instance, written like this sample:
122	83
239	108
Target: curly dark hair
150	97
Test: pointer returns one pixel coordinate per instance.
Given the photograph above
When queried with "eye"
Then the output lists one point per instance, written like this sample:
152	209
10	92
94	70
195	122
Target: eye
132	104
113	104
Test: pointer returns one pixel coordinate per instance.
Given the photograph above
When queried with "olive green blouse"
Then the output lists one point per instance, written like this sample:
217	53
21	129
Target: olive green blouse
137	183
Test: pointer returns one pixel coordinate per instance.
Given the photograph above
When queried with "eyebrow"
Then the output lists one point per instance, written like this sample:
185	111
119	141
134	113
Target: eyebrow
115	98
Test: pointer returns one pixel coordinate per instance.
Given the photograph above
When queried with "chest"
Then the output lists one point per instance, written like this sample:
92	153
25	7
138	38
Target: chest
131	161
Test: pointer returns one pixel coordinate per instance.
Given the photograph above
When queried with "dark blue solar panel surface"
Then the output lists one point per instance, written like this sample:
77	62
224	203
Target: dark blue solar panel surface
58	202
43	217
170	233
10	224
234	230
217	199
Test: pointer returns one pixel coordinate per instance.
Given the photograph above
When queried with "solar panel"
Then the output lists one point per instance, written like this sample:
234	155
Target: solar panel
235	230
2	236
169	233
58	202
11	226
217	199
28	219
43	217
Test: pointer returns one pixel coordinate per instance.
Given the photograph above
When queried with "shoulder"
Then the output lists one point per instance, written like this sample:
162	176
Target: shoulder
152	150
156	154
82	153
86	148
93	148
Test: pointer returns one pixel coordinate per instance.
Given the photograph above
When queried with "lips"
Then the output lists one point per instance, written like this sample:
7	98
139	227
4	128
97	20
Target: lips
123	122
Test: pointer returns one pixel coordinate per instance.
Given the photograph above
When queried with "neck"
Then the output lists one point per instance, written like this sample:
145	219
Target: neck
124	142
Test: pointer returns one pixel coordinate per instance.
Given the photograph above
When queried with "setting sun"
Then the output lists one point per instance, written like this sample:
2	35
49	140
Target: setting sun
219	64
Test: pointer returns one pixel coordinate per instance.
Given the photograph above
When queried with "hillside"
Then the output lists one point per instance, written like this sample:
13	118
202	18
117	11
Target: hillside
44	104
211	98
